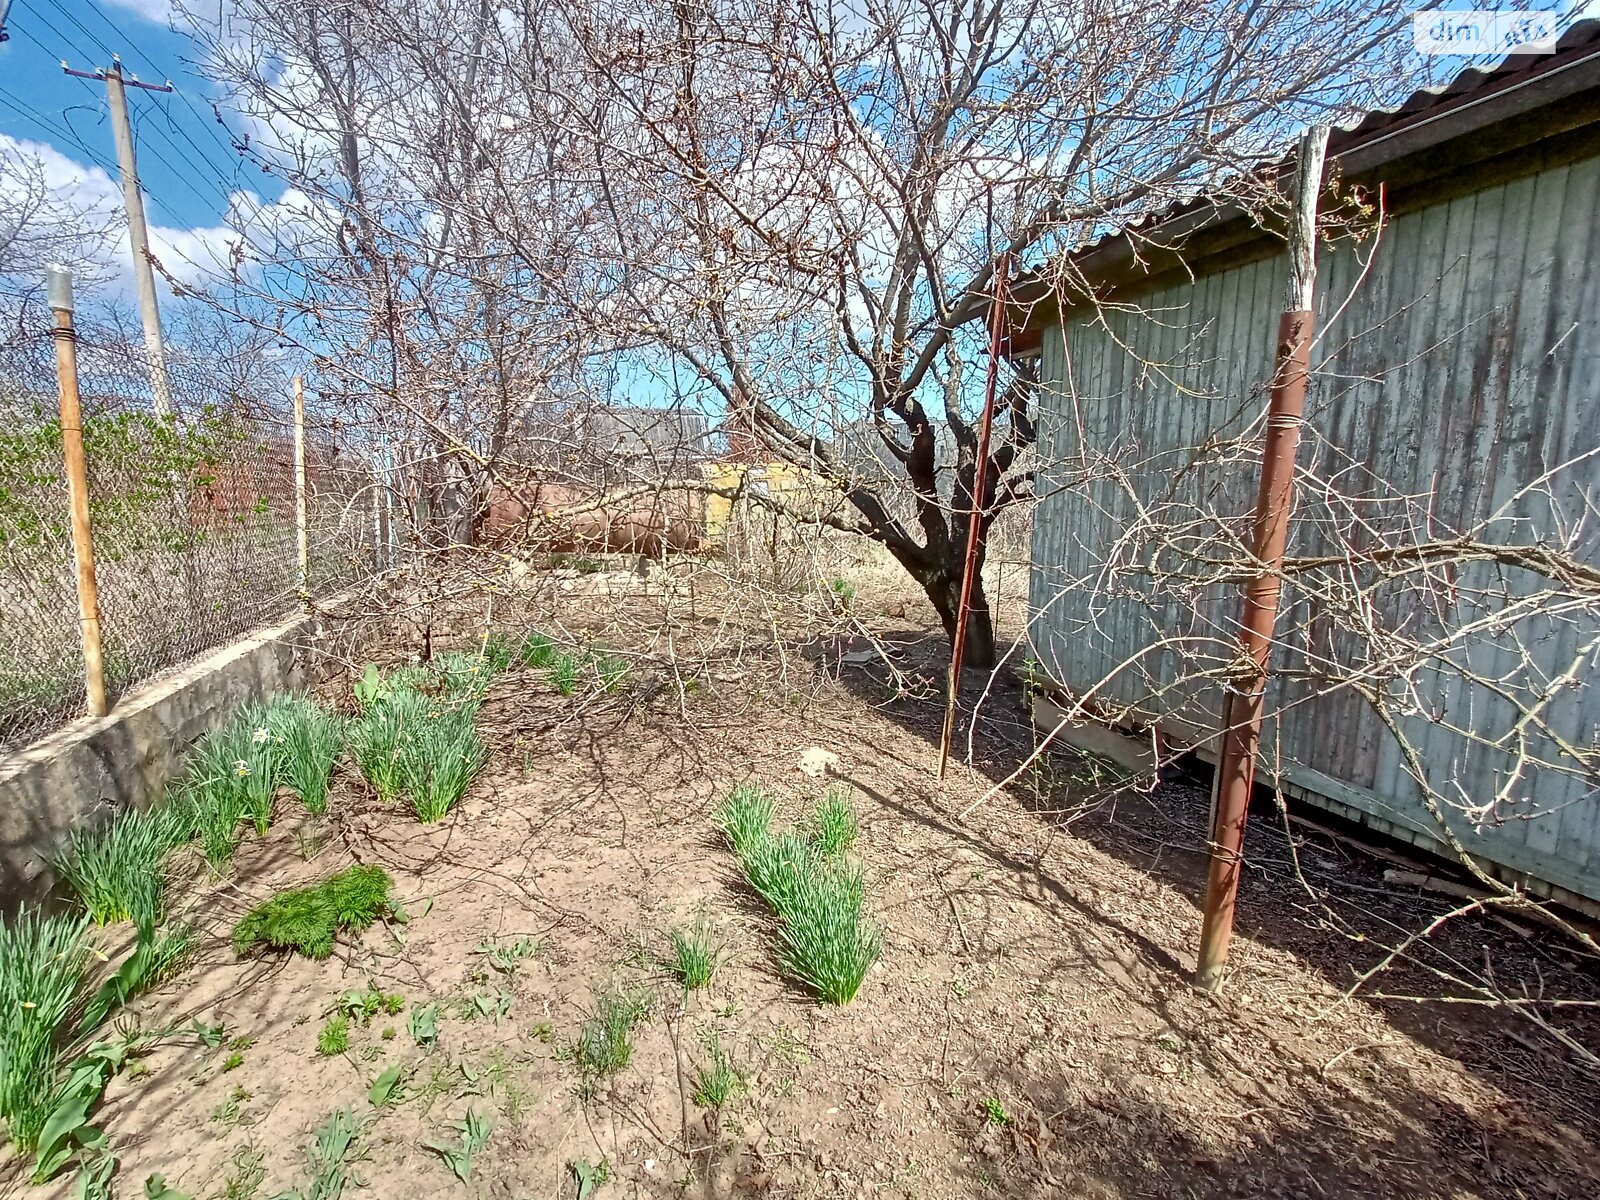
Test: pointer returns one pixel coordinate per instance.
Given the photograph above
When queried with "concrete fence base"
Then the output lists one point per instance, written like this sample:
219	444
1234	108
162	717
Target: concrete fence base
97	766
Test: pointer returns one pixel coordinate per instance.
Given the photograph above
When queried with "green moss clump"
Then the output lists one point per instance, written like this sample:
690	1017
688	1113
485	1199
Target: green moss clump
306	919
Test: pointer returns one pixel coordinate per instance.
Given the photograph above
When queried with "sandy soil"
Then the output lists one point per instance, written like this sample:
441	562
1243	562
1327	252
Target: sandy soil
1036	953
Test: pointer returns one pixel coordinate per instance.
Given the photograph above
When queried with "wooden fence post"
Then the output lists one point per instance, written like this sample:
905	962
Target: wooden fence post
377	518
302	534
59	281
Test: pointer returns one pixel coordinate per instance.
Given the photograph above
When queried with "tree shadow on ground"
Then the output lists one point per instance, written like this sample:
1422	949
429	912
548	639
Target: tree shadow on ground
1305	896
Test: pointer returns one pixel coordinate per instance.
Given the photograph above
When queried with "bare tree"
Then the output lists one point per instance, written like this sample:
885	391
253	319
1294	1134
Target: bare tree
388	265
806	205
792	213
42	224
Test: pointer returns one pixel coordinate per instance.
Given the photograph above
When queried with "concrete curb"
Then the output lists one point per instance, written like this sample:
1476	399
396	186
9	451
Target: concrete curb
96	766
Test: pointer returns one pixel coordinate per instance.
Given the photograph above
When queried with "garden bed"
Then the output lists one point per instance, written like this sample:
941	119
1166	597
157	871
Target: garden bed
1028	1028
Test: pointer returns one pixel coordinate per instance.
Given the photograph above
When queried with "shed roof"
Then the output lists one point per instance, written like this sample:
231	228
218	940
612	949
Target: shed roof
1487	122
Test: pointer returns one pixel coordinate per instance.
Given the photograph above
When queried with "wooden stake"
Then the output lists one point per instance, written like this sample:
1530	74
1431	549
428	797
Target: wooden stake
958	643
94	671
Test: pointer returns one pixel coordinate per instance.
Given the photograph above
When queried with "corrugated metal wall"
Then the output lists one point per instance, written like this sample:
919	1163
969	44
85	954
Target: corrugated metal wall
1453	372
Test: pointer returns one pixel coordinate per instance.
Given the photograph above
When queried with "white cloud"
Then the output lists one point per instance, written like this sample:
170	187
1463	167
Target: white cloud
51	210
158	12
193	256
69	181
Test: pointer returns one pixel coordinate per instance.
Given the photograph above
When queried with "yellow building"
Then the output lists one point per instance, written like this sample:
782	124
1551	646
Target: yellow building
804	490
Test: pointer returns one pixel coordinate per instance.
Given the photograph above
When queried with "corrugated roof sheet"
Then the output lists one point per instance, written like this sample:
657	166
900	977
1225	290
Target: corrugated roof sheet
1582	40
1469	85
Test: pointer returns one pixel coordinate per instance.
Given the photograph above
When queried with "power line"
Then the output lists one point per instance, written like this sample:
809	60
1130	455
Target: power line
186	178
215	118
198	160
65	134
61	37
170	130
235	196
34	38
203	161
201	164
71	16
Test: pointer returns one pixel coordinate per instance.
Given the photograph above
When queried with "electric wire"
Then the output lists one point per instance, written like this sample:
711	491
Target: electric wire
209	124
66	133
233	192
200	164
71	16
88	56
236	196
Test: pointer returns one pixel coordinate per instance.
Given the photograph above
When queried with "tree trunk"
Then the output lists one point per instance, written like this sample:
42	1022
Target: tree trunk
944	590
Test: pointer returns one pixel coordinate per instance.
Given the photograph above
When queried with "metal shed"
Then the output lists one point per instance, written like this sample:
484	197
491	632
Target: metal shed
1456	382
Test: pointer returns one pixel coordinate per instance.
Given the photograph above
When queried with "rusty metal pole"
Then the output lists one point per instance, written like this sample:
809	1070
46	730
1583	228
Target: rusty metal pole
979	482
302	534
1245	700
59	291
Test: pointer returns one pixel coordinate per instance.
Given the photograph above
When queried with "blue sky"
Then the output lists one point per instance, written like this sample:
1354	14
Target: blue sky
187	166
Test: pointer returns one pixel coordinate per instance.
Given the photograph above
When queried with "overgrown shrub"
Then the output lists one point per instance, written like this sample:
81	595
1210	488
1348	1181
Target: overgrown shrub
212	815
611	669
778	867
307	919
694	958
460	680
824	940
51	1073
564	672
334	1036
718	1082
233	775
497	652
257	762
375	686
157	957
421	741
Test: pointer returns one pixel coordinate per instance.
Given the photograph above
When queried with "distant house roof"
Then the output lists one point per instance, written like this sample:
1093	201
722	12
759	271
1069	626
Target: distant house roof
636	432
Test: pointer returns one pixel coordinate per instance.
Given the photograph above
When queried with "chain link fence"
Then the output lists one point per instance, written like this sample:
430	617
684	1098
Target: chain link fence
193	521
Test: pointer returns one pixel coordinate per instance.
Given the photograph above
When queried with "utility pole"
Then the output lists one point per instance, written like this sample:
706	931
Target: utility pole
138	234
